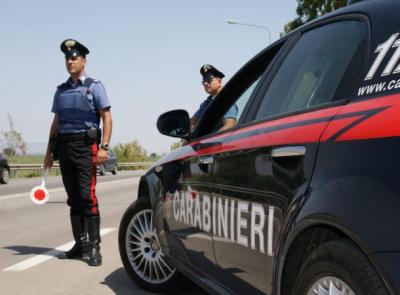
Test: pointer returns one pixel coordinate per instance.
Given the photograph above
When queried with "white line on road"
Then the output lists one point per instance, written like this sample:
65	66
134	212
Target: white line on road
31	262
22	195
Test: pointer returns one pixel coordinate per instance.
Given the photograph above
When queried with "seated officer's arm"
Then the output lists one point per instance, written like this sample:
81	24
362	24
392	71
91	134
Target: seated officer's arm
229	120
228	123
193	122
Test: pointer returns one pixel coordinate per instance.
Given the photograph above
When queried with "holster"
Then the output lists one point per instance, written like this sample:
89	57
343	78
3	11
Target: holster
53	148
94	134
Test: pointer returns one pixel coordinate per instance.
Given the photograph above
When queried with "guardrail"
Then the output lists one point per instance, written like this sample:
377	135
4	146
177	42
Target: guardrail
56	165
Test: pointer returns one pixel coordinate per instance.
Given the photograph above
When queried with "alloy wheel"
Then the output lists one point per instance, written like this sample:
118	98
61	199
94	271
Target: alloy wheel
330	285
144	251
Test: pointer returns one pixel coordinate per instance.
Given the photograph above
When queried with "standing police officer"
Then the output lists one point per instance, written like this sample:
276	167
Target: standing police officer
212	82
78	105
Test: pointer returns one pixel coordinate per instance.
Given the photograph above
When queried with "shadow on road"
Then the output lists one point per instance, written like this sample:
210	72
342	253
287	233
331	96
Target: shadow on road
27	250
119	282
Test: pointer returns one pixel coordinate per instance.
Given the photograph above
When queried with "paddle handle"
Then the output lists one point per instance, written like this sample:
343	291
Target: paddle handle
46	173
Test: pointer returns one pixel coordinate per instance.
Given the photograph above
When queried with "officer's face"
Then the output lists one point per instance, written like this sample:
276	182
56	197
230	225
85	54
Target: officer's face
212	86
75	65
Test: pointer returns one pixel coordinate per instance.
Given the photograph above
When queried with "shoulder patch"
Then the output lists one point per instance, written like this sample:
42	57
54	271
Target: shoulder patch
89	82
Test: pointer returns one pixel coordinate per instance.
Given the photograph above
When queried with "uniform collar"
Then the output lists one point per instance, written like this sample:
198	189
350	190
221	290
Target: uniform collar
81	79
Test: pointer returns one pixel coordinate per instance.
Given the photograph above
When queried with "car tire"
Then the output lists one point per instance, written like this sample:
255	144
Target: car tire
5	176
114	172
102	170
138	246
336	266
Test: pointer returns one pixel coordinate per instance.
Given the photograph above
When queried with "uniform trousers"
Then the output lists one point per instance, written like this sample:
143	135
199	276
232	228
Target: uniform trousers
78	164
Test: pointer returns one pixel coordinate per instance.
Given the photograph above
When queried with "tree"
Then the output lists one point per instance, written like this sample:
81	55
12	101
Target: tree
308	10
130	152
13	140
175	145
153	157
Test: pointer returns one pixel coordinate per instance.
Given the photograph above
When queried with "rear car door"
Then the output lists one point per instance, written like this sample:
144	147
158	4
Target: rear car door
263	165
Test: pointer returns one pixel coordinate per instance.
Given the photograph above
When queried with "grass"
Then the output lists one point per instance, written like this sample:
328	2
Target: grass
28	159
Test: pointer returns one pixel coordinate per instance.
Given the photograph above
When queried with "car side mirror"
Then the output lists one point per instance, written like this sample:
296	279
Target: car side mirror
174	123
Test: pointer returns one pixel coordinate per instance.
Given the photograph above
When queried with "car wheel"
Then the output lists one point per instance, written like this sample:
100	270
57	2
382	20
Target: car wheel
5	176
114	172
141	253
338	267
102	170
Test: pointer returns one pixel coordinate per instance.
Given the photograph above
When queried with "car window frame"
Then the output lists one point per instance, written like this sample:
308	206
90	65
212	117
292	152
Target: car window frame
221	104
299	32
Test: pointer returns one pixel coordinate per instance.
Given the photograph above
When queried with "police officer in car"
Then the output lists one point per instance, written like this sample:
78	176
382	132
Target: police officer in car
212	83
76	140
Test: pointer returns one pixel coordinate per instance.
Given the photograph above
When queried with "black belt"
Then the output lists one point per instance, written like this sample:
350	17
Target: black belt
72	136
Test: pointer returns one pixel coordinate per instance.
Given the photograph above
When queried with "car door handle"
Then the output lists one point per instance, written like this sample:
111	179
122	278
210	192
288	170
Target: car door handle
206	160
289	151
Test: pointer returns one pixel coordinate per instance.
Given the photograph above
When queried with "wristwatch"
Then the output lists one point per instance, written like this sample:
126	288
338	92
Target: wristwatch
104	146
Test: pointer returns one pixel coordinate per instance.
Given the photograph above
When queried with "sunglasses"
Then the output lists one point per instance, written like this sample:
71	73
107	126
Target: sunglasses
207	80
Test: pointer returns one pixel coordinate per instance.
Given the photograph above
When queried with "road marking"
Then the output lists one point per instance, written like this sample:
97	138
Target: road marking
31	262
23	195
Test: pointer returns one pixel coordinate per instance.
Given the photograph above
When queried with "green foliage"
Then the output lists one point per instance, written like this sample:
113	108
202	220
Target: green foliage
153	157
27	159
130	152
9	152
176	145
307	10
13	140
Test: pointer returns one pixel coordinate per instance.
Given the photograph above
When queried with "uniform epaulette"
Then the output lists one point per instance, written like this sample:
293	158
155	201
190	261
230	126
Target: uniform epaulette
62	85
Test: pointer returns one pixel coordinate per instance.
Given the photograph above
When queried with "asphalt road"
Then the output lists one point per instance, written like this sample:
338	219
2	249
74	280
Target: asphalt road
31	237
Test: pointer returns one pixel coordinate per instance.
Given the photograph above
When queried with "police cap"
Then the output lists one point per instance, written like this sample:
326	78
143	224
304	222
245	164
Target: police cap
72	48
208	72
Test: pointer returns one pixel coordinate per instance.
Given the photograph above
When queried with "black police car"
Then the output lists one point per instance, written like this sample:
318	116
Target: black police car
110	165
303	195
4	170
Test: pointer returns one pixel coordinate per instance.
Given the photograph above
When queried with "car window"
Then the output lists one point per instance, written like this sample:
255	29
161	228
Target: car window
314	69
237	108
236	96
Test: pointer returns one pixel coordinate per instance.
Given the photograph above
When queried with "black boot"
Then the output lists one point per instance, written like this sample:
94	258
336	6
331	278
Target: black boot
80	235
93	223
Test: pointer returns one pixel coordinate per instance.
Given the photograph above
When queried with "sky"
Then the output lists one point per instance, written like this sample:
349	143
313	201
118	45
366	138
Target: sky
147	54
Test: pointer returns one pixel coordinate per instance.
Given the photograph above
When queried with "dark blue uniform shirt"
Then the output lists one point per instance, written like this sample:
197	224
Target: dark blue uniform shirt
232	112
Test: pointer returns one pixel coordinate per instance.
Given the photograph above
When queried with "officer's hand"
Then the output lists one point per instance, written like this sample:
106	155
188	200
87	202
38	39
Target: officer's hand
48	161
102	156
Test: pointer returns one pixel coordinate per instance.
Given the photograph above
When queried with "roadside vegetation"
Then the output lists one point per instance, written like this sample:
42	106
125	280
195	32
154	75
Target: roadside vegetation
126	153
308	10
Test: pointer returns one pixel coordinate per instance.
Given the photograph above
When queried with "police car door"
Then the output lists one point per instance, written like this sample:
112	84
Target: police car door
190	222
264	165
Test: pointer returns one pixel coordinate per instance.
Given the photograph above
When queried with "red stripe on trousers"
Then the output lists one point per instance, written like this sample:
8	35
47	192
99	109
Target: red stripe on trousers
93	182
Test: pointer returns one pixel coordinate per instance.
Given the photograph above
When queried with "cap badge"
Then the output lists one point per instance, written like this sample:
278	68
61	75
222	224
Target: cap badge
69	44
